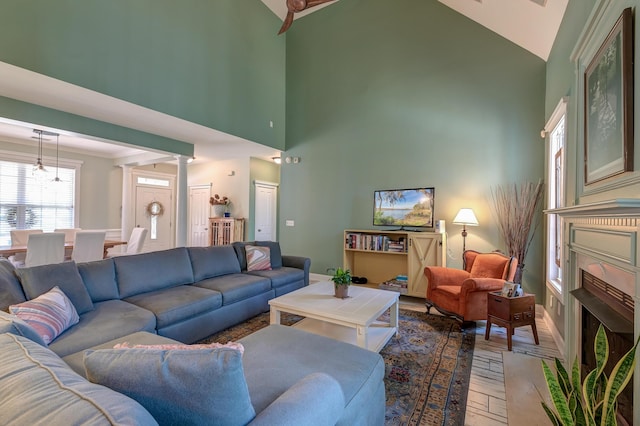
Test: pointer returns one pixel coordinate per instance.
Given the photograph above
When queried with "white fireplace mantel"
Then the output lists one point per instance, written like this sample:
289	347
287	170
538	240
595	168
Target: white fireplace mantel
617	207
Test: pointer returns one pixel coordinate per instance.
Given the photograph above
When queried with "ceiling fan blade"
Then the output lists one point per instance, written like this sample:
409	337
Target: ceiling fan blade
287	23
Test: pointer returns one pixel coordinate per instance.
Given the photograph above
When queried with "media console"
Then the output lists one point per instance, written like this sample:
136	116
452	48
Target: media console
382	255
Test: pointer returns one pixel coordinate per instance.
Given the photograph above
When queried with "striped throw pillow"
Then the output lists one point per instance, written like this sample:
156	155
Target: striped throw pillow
258	258
49	314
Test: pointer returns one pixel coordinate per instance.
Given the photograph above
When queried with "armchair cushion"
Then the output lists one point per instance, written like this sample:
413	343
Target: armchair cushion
489	265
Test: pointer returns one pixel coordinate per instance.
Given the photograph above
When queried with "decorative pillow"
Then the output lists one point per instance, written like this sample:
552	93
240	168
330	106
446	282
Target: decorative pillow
49	314
14	325
186	387
258	258
214	345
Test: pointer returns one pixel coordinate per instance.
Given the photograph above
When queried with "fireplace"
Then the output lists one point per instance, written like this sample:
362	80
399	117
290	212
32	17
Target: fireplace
601	251
603	303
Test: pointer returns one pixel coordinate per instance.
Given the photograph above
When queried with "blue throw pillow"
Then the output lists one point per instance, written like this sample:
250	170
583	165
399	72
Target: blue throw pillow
177	386
38	280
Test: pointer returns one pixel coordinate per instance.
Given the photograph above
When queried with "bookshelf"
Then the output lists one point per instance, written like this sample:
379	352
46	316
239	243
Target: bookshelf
382	255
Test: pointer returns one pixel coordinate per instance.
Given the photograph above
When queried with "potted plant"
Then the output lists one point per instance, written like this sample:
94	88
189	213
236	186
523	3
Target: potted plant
220	205
517	211
341	280
594	401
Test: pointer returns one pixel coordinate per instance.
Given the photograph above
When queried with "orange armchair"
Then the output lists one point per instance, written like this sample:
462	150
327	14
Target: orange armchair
463	293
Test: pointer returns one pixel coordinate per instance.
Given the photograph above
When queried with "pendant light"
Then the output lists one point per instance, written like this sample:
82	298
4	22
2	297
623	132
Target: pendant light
39	172
57	180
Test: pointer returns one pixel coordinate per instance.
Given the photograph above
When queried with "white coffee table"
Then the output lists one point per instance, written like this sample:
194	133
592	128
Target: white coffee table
353	320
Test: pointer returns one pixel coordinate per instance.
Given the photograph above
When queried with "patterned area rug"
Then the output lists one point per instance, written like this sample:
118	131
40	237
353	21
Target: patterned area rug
427	367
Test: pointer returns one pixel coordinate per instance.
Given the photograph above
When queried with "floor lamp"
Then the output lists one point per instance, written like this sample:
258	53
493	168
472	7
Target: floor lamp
465	217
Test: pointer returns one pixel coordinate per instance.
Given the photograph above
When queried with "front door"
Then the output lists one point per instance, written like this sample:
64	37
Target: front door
158	222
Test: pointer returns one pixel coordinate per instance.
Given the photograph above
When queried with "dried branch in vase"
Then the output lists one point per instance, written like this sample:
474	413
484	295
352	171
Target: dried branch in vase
516	212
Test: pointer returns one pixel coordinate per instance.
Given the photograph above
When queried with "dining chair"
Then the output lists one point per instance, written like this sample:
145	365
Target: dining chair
69	233
88	246
136	240
19	237
44	249
69	237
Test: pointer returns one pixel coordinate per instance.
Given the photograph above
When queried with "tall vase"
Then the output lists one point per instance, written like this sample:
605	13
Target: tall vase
517	278
218	210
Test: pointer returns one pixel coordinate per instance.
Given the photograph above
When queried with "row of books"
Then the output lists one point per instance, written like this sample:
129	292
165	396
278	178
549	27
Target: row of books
398	284
374	242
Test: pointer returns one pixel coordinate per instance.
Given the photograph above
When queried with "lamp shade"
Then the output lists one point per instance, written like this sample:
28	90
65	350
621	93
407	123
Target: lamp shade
465	217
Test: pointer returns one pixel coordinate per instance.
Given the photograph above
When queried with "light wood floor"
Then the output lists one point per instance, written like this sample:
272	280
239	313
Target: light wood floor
487	400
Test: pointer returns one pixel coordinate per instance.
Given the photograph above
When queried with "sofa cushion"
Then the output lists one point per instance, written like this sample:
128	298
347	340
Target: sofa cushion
146	272
99	278
209	262
281	276
38	280
10	288
186	387
14	325
49	314
258	258
355	369
176	304
236	287
40	388
109	320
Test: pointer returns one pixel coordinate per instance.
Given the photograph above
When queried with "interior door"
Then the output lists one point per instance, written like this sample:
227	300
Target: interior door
160	227
266	211
199	215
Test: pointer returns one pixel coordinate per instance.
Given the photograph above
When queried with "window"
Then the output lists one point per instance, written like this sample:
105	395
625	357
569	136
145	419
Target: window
30	203
555	195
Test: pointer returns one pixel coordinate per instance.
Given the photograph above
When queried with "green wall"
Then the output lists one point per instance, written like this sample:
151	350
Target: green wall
384	95
217	63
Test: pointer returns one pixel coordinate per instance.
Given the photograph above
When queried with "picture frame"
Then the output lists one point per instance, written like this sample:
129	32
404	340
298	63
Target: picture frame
608	105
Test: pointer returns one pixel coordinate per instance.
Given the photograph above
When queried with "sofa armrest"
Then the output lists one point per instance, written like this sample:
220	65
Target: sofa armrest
301	405
299	262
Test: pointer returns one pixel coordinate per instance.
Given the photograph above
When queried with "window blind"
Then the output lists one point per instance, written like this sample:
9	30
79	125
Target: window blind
30	203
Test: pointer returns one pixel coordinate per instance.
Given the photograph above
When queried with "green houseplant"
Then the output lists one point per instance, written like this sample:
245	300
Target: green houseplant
341	280
594	401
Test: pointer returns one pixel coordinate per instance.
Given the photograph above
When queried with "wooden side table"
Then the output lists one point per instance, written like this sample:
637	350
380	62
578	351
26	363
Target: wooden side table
511	312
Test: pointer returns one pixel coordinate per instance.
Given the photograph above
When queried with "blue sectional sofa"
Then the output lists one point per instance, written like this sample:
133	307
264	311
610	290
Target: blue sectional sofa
171	296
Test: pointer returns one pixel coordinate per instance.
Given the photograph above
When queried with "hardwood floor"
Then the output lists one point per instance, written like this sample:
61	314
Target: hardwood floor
487	398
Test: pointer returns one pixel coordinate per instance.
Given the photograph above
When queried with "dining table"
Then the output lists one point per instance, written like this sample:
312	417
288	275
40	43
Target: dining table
6	251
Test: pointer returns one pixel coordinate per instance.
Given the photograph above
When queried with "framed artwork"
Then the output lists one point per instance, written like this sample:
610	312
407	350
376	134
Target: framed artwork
608	105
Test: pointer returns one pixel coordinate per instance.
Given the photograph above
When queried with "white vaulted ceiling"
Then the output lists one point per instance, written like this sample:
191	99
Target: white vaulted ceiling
531	24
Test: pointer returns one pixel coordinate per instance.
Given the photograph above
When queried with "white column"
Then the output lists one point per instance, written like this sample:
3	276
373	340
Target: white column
181	202
127	208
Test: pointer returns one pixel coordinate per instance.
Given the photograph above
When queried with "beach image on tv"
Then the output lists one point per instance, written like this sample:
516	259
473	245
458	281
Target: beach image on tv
406	207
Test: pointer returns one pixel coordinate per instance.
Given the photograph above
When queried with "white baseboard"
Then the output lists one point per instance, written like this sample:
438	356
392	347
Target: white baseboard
554	332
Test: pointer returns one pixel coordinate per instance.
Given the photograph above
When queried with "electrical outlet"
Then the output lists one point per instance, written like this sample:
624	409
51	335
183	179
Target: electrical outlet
290	222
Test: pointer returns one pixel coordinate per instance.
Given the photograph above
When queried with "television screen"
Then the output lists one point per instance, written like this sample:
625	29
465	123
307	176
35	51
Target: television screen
404	207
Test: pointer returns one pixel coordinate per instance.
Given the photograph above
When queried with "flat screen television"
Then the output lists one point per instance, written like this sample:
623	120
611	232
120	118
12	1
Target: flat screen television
411	208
